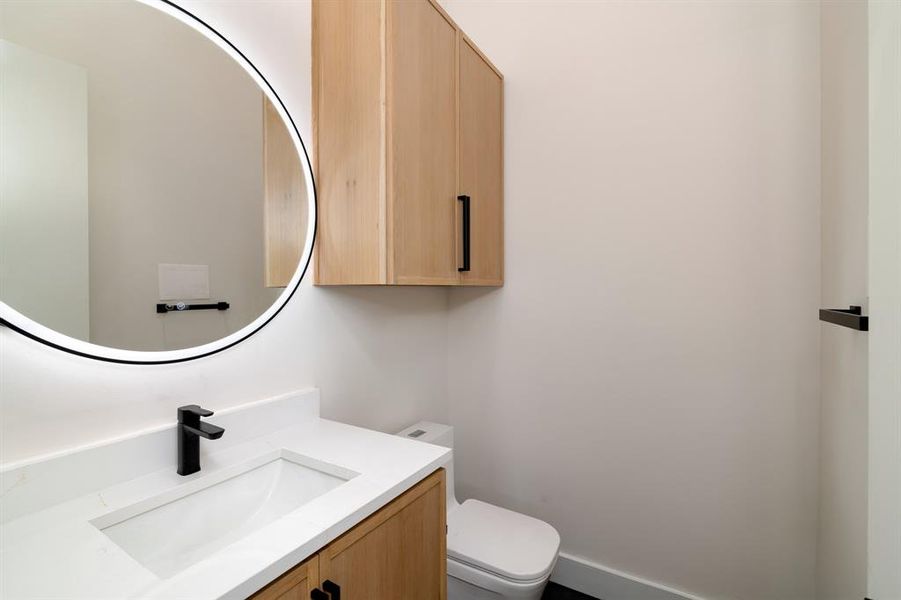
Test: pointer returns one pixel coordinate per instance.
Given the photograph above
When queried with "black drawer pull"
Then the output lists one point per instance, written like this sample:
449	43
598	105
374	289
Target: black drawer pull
318	594
333	589
465	201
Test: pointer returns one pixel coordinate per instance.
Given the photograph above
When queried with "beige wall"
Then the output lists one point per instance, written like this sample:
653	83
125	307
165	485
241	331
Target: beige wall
648	379
379	355
44	188
198	198
842	541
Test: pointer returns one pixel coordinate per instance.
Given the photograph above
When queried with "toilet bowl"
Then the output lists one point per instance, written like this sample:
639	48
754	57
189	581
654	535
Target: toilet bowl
492	553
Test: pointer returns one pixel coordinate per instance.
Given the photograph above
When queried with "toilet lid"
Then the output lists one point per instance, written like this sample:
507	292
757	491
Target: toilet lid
501	541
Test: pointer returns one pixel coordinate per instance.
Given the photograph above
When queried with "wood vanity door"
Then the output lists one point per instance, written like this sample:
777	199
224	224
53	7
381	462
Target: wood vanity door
399	553
296	584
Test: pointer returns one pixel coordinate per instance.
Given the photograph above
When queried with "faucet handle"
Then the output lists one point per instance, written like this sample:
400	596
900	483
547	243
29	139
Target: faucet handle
193	409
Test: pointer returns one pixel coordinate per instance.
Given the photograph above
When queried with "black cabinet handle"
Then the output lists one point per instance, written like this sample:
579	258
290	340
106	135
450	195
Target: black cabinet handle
318	594
333	589
465	201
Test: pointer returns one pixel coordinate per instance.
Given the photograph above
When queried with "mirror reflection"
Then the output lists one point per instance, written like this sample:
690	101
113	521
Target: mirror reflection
142	170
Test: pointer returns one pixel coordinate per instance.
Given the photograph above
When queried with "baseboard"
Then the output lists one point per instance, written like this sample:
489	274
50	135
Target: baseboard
603	582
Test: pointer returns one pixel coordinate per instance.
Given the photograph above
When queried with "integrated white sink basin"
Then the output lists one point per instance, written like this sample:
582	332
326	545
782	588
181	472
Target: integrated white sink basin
172	531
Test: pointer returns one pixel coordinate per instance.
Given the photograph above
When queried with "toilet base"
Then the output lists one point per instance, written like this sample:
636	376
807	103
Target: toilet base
468	583
461	590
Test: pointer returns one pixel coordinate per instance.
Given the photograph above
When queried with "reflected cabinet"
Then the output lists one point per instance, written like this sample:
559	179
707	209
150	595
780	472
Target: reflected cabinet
408	128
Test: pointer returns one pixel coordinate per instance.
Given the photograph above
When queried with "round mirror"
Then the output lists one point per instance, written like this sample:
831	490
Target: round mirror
156	200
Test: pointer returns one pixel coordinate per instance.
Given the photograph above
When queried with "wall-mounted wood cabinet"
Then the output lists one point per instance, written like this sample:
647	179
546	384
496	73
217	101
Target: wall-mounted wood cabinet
408	127
400	552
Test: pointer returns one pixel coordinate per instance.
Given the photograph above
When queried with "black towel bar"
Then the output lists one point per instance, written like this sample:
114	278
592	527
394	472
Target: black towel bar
846	317
180	306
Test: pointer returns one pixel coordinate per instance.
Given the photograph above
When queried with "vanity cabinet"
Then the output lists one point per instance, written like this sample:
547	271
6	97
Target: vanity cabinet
296	584
398	553
408	128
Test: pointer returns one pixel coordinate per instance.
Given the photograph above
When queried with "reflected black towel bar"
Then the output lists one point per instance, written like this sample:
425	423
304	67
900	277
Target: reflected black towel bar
846	317
180	306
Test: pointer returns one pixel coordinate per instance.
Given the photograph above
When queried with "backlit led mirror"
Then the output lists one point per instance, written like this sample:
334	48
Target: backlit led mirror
156	201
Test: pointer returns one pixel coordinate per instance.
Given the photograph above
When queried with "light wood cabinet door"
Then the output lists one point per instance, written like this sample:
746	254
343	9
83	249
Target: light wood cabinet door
399	553
481	164
296	584
422	131
349	141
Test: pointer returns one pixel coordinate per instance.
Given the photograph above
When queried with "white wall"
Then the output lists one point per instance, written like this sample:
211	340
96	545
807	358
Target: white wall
884	543
648	379
842	539
379	355
44	188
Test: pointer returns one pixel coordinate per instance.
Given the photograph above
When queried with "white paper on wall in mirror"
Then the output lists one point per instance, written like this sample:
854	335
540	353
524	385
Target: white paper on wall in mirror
184	282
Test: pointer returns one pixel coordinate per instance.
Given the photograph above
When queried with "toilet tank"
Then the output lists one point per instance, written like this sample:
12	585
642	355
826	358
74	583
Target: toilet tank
430	433
440	435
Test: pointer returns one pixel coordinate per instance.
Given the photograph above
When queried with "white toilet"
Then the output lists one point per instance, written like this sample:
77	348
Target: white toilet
492	553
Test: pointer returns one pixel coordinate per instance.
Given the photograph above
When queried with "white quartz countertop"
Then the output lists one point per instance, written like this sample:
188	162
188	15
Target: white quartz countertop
56	552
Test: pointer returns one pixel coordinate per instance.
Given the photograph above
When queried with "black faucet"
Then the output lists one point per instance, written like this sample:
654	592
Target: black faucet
190	430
